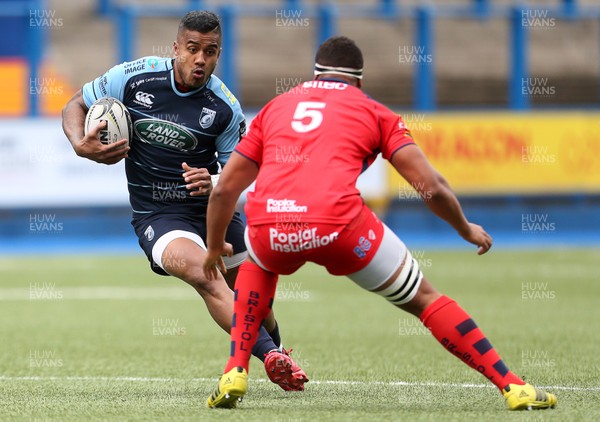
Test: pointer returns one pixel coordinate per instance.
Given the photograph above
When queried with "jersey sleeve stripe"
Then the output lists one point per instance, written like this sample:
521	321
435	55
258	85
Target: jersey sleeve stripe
248	158
399	148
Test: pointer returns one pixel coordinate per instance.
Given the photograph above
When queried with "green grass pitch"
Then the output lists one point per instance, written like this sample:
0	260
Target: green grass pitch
102	338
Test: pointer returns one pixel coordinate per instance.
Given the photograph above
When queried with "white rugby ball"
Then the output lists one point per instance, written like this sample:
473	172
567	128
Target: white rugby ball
117	117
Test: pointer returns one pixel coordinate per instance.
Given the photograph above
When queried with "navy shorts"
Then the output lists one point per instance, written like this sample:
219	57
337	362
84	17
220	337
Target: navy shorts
157	230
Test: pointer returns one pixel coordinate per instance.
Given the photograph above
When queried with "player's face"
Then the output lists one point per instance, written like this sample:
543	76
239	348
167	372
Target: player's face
196	56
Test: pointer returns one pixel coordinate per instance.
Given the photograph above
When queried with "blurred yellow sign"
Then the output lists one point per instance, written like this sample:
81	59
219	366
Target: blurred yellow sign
509	152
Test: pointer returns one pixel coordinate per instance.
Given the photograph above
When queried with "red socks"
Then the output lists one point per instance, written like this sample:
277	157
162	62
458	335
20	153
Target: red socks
253	299
448	322
459	334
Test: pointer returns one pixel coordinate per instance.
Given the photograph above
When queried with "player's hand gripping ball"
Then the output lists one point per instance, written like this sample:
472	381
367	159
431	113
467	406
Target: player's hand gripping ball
118	121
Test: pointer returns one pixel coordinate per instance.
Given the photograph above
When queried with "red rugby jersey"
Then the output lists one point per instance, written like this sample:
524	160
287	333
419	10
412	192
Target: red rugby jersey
311	144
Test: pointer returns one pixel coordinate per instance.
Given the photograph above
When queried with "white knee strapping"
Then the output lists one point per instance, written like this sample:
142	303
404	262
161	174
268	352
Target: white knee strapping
406	285
388	258
235	260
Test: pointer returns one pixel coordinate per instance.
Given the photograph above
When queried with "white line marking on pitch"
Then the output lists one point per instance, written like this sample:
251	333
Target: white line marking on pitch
328	382
50	292
55	293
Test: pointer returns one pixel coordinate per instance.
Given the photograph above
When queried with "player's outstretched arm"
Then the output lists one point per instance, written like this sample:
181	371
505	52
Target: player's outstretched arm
412	164
89	146
237	175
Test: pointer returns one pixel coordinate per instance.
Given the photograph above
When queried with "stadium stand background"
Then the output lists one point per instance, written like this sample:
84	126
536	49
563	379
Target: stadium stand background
471	55
471	60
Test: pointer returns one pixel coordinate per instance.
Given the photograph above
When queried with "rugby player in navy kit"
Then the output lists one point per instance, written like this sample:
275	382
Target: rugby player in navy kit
186	124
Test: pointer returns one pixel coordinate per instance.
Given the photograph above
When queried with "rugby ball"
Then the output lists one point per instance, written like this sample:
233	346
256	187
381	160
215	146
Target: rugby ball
117	117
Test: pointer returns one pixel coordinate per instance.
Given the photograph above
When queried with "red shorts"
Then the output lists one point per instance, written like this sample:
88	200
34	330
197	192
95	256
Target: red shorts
344	249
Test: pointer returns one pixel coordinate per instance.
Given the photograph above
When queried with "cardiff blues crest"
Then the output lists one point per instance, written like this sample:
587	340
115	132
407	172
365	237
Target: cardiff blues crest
207	117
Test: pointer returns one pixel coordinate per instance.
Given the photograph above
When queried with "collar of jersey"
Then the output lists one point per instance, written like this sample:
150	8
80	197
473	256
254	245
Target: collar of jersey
185	94
334	80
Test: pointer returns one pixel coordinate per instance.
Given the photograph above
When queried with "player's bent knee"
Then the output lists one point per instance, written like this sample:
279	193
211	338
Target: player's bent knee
196	278
404	288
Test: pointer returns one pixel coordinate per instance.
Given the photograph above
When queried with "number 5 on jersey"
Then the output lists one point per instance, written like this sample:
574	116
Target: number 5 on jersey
307	110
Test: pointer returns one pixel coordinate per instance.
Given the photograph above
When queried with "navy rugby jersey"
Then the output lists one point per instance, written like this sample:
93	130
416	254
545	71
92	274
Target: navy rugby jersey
199	127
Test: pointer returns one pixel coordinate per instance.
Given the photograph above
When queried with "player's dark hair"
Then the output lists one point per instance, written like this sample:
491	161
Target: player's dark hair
339	51
201	21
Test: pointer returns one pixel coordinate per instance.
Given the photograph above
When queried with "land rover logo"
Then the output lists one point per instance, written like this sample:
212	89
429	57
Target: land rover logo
165	134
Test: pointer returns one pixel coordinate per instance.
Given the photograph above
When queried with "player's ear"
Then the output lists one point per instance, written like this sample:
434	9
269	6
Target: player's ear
219	52
175	48
359	83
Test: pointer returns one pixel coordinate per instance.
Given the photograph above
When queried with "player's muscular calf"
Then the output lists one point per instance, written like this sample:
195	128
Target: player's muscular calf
188	267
